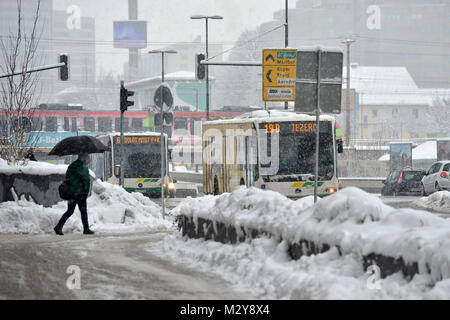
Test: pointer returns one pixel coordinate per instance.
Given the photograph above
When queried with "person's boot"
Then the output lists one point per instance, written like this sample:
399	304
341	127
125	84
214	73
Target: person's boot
88	231
58	229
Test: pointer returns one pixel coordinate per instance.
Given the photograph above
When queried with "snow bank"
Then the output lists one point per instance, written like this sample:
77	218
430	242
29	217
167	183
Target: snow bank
110	208
355	221
263	268
438	201
36	168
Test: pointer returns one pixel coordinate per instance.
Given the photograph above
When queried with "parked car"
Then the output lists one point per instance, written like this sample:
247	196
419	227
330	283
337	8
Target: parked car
406	181
437	178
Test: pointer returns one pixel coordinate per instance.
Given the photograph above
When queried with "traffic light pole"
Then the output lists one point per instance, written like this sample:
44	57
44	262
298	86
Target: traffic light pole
122	150
36	69
162	140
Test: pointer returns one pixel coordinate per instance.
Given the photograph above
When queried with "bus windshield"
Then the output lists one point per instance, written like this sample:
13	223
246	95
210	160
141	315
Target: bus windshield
141	160
297	144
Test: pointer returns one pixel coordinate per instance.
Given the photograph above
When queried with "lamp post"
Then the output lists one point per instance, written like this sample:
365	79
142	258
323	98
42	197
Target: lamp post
162	52
198	16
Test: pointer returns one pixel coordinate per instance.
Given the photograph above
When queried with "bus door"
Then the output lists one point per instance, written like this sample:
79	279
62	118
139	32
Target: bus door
247	167
250	163
224	165
207	164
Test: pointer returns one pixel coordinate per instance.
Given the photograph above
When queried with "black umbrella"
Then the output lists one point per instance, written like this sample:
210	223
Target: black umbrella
77	145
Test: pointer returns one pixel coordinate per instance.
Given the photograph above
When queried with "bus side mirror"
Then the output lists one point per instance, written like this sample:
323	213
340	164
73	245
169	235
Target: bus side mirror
117	170
340	146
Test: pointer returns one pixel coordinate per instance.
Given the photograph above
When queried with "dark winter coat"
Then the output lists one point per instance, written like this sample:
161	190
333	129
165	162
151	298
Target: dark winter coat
78	175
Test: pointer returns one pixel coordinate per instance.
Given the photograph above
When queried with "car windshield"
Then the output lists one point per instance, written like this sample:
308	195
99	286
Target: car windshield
413	175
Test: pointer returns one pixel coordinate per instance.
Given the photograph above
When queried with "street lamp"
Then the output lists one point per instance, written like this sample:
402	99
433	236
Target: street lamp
162	52
198	16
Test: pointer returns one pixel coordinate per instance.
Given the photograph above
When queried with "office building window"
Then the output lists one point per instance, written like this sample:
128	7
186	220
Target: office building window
394	113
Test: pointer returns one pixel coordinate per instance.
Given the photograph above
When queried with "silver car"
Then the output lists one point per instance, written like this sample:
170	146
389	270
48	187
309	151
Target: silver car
437	178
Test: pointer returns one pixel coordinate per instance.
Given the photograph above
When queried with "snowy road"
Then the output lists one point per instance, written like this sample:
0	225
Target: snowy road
408	202
111	267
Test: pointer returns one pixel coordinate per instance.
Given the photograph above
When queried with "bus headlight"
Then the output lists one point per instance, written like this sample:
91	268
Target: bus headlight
331	190
171	186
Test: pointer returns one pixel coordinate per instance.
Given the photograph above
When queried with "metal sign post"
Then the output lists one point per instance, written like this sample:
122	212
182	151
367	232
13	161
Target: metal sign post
316	171
318	88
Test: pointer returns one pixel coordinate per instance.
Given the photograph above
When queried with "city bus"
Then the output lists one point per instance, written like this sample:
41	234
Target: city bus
142	163
271	151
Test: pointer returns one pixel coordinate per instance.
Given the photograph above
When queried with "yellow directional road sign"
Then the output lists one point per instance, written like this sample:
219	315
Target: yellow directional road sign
279	69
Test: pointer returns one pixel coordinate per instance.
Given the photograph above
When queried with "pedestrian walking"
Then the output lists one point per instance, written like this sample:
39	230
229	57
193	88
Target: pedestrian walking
78	176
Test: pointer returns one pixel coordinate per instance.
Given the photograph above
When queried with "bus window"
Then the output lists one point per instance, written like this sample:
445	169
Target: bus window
89	124
66	124
180	124
136	124
51	124
104	124
126	127
36	124
74	124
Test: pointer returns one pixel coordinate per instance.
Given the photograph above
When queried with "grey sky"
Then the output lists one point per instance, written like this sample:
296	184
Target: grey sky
169	21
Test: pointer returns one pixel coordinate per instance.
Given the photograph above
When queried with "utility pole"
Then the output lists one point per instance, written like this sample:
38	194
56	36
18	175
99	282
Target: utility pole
286	39
348	42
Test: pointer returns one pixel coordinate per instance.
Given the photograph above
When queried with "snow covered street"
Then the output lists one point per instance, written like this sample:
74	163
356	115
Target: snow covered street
135	254
111	266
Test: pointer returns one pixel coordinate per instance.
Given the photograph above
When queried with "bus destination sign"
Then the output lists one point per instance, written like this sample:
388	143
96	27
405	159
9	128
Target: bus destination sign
138	140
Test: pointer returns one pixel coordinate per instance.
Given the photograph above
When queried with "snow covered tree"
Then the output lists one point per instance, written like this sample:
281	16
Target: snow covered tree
438	115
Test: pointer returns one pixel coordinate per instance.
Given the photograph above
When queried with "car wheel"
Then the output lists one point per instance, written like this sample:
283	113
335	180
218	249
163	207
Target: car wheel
437	187
422	191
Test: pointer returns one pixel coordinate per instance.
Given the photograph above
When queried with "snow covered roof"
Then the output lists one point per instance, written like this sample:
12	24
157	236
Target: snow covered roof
389	86
181	75
275	115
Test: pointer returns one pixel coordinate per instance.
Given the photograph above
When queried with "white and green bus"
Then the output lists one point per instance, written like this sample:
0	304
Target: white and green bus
142	163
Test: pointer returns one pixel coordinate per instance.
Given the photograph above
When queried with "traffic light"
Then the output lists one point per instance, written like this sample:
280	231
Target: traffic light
124	94
64	71
168	118
200	70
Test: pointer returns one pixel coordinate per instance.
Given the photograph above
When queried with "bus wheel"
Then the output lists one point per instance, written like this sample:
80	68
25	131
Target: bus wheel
216	186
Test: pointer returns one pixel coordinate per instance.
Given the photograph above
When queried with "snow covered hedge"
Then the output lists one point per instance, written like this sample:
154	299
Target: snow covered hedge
352	220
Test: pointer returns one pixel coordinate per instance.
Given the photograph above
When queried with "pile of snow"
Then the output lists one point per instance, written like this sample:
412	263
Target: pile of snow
35	168
355	221
110	209
438	201
263	268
